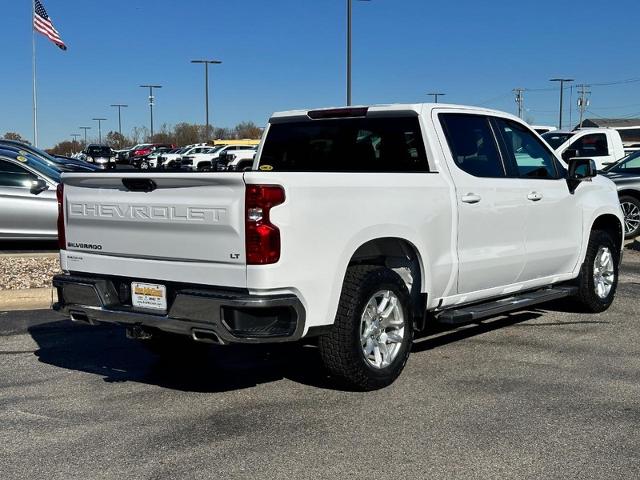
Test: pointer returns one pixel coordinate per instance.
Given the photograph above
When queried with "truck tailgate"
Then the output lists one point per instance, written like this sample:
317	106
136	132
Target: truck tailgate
193	218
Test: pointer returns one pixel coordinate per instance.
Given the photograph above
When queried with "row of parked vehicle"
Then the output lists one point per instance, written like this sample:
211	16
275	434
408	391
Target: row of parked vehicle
199	157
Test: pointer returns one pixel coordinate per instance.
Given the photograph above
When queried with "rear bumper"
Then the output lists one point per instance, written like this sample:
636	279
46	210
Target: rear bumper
233	316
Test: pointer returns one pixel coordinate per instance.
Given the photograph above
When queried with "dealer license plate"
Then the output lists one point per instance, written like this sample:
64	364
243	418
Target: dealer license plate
149	295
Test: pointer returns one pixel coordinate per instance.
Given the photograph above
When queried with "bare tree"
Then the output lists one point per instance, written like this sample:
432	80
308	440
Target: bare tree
15	136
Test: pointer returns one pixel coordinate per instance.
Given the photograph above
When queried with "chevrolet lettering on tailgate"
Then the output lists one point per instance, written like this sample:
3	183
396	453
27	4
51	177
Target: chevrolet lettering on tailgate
148	212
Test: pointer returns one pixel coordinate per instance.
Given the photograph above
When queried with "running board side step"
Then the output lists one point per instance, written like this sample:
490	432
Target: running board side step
479	311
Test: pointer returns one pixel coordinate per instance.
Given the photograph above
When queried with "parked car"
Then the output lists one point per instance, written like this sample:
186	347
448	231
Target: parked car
28	205
171	159
220	153
603	145
199	158
151	161
359	226
101	156
139	155
626	175
122	156
236	161
63	164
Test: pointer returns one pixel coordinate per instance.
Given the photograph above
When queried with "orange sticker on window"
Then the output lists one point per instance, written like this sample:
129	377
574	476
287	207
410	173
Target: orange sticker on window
266	168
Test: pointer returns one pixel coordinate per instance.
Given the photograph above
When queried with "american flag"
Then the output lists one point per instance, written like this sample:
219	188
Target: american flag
43	24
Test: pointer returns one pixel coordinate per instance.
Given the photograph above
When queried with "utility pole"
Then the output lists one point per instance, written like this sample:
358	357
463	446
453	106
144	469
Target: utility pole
85	134
119	106
99	120
74	140
151	100
206	90
562	82
349	56
436	95
583	101
519	92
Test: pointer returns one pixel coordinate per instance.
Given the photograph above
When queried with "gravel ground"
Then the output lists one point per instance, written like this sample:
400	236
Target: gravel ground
27	272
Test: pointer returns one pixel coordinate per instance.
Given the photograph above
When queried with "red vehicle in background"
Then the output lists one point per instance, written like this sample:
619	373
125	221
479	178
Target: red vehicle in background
139	155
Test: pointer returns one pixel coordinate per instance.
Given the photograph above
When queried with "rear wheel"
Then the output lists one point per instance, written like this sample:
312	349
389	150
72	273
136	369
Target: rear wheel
370	342
144	165
598	278
631	210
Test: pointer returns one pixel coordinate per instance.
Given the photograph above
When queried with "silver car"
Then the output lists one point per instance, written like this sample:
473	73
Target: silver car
28	205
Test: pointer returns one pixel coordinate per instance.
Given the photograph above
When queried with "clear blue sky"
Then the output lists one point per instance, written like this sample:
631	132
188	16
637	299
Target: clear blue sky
284	54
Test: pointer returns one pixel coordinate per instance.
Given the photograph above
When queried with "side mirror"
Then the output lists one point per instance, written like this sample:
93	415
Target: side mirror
38	186
570	153
580	170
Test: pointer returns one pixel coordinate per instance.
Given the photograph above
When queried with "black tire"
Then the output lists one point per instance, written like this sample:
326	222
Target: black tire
341	349
587	296
631	208
144	165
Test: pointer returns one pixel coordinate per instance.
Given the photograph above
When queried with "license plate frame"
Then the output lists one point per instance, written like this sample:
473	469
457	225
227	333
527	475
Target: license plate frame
149	296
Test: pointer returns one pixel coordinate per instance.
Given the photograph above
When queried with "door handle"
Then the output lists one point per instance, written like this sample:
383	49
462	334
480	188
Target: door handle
534	196
471	198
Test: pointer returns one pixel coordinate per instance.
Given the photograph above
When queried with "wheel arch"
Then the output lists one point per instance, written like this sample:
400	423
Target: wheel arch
400	255
610	224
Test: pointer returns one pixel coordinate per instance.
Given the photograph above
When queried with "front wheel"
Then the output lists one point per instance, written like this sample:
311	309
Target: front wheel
631	211
144	165
371	338
598	278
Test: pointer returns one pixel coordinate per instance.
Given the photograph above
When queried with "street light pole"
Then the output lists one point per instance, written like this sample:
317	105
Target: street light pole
85	134
349	56
151	98
119	106
99	120
206	89
435	96
562	82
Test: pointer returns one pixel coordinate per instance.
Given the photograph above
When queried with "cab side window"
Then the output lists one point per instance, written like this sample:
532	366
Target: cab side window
12	175
473	144
530	157
592	145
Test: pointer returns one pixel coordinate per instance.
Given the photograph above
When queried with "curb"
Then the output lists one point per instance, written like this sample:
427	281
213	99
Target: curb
26	299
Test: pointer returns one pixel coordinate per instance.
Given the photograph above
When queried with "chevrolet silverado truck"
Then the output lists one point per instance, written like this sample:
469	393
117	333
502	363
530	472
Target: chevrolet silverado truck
355	229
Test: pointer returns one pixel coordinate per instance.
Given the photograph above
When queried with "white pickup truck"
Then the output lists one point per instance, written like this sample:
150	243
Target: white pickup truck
603	145
358	226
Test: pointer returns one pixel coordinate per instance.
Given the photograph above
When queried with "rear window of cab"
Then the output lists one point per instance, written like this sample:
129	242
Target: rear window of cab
382	144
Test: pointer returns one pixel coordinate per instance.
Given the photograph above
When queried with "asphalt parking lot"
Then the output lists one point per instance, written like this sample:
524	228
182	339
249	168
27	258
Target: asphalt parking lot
544	393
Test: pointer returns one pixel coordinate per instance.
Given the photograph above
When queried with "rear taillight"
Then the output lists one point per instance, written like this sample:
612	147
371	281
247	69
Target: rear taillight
262	237
62	241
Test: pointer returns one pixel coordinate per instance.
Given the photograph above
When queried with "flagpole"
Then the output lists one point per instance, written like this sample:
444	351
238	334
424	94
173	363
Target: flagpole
35	96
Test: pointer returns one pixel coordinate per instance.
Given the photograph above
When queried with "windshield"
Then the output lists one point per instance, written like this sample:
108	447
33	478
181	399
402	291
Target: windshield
630	164
556	139
99	151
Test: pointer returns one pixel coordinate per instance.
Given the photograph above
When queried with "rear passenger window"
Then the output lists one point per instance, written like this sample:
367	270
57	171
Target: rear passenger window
531	158
473	144
383	144
592	145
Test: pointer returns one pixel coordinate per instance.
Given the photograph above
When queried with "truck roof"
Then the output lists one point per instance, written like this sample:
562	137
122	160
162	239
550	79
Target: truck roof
384	108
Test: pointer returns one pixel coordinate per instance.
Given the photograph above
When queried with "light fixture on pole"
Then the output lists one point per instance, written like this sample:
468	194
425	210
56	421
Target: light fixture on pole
206	90
151	101
99	120
85	133
562	82
119	106
436	95
349	22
